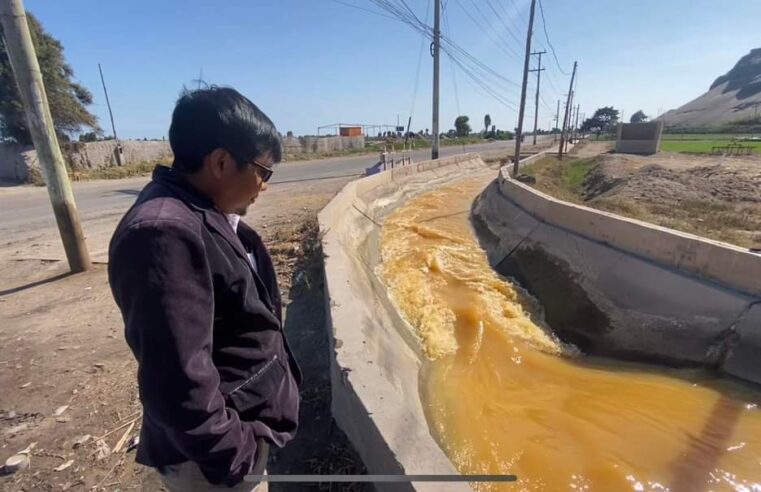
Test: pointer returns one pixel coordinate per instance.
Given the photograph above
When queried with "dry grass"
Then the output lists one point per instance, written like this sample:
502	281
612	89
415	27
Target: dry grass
561	179
144	168
735	222
336	459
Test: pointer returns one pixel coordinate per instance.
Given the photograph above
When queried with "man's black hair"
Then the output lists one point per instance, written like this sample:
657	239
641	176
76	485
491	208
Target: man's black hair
220	118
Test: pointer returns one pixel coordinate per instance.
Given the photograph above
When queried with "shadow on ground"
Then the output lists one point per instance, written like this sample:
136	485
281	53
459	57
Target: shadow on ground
320	447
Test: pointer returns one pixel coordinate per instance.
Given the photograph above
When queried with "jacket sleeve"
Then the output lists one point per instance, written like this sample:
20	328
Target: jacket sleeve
162	283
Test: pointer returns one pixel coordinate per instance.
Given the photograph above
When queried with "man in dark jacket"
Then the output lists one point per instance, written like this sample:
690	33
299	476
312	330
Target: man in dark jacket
200	301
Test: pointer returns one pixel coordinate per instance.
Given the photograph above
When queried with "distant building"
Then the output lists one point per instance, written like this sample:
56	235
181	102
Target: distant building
350	131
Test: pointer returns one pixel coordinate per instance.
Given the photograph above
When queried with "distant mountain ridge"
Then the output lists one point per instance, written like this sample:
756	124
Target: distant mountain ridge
733	97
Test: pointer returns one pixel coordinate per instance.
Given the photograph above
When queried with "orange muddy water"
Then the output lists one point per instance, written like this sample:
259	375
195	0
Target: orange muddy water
503	396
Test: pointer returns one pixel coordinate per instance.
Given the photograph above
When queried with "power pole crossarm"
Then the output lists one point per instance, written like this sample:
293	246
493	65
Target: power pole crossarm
26	70
522	108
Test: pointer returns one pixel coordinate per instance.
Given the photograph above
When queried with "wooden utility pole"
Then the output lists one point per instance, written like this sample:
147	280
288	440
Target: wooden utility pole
538	71
557	123
26	70
435	50
565	117
522	109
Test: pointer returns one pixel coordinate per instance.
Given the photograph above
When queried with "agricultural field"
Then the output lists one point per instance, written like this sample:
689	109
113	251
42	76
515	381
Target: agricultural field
707	143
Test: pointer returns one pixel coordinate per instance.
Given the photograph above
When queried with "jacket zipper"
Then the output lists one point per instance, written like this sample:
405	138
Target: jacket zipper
256	375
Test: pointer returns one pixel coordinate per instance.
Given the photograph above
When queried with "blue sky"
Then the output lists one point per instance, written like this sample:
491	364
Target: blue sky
315	62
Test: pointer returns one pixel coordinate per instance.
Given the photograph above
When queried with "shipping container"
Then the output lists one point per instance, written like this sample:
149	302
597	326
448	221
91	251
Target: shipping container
350	131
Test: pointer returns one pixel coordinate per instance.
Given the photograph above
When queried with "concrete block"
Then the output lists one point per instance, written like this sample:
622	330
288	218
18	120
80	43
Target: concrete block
639	138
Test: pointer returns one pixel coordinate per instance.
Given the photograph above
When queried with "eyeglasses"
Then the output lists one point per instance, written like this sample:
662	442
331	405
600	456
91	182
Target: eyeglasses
266	171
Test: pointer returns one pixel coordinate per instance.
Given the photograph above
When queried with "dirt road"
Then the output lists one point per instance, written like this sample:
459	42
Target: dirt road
61	341
61	345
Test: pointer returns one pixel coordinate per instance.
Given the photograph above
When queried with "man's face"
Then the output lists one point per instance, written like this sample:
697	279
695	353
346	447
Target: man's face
239	188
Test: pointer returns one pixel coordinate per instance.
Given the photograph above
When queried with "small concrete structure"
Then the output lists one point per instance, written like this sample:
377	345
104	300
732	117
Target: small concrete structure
375	359
625	288
639	138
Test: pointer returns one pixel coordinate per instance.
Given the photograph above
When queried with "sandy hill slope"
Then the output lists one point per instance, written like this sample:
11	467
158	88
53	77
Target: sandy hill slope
733	97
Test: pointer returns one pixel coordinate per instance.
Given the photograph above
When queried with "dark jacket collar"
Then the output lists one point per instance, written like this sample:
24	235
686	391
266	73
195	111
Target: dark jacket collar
177	183
181	187
168	177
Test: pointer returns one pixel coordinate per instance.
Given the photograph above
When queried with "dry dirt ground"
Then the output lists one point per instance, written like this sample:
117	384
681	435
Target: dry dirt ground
62	352
713	196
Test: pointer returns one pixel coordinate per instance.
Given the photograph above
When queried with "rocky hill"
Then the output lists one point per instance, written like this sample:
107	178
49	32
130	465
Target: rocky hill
732	98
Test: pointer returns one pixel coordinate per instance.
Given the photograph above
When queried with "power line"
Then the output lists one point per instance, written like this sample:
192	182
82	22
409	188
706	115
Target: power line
474	68
452	48
419	61
454	79
547	36
501	20
486	19
363	8
518	15
501	44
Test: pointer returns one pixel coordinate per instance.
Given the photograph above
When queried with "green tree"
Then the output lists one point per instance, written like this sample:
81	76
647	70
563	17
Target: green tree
639	117
487	123
88	137
461	126
603	120
66	97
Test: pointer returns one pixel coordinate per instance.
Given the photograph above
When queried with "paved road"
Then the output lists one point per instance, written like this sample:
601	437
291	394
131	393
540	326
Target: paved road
29	207
28	229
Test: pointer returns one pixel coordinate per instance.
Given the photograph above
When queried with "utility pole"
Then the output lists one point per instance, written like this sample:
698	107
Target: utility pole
576	124
522	109
108	103
570	122
26	70
199	79
435	48
538	71
118	153
567	107
557	123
